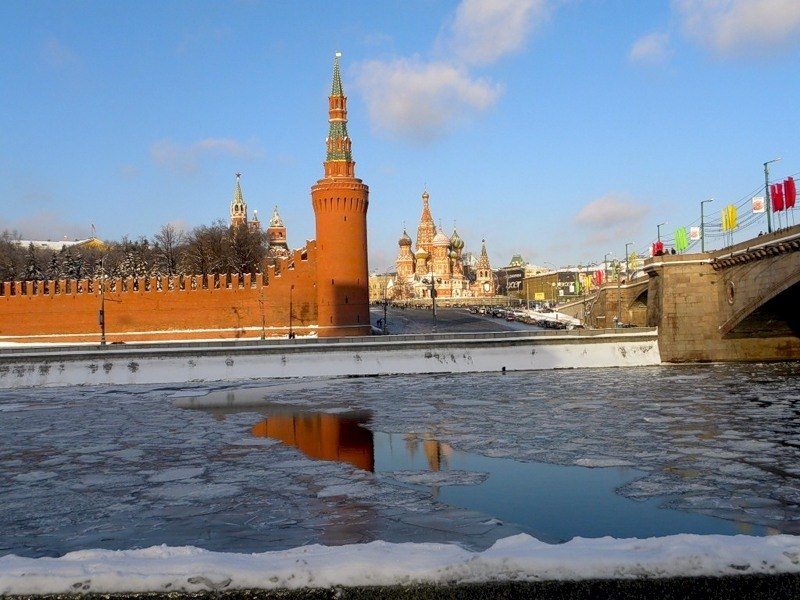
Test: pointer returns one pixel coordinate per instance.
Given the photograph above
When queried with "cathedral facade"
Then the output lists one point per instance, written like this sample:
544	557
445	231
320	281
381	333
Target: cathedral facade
437	265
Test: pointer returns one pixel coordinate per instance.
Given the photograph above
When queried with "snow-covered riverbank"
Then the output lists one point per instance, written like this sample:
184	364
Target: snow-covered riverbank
518	558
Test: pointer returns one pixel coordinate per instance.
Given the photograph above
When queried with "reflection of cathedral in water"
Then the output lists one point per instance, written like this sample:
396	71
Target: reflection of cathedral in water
342	437
437	453
439	261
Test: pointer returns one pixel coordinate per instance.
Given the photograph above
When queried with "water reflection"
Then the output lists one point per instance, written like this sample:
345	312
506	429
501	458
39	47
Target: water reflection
552	502
336	437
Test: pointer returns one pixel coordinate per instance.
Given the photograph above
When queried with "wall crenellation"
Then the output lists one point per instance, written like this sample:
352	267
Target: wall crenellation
274	303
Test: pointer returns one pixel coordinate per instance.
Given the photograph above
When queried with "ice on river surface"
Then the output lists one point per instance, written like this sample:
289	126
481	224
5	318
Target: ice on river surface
123	467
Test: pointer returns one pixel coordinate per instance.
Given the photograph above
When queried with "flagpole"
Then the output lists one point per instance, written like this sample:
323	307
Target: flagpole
702	226
766	193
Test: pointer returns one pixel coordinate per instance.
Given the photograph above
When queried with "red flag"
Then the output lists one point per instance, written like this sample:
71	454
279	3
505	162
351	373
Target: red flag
599	276
776	190
789	192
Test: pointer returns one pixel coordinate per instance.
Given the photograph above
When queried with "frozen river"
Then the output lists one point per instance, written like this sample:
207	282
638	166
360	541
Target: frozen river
466	459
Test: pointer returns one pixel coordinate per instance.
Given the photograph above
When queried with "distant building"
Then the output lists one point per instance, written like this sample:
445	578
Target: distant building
59	245
509	278
437	263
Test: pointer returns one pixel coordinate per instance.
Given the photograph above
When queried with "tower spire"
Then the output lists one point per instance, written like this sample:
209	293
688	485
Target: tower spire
339	159
238	205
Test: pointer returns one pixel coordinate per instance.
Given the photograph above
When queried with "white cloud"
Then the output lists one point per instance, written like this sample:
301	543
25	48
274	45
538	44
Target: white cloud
611	210
652	49
187	158
421	100
735	27
485	30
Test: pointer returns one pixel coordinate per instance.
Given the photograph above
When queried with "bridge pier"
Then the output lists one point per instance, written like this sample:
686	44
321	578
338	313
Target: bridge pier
741	303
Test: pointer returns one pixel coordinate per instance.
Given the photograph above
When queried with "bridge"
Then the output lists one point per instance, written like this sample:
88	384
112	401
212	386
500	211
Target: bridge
738	303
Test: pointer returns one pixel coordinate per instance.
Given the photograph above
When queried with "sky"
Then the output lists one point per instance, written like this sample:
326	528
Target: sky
560	130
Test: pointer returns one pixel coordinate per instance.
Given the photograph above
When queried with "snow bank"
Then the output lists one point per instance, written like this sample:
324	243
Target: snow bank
517	558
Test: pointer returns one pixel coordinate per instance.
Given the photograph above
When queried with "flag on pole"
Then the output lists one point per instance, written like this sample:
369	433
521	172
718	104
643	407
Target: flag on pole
776	190
681	239
729	217
789	192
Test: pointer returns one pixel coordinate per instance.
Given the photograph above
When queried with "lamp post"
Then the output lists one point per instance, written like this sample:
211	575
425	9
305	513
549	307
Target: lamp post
766	192
702	225
261	308
627	266
605	265
431	279
658	229
291	333
101	317
385	327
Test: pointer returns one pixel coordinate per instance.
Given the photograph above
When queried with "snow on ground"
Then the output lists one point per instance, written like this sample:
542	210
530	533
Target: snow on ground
516	558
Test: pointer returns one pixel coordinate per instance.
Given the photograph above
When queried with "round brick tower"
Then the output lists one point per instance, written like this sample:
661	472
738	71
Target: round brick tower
340	203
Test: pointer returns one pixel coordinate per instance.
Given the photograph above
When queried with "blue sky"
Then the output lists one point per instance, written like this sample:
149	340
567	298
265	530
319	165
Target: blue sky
554	129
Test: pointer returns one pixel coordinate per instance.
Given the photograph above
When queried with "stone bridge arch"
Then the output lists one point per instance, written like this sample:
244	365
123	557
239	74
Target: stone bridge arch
761	292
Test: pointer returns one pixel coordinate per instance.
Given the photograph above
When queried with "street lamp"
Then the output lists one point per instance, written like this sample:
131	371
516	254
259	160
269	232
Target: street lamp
101	317
766	192
261	308
605	265
658	229
702	226
291	333
430	279
627	266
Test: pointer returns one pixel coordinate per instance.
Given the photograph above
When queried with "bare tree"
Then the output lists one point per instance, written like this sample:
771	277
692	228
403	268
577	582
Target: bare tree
246	249
168	246
205	250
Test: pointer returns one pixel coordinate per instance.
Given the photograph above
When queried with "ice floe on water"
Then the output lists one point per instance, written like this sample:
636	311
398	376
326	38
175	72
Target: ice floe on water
123	467
603	461
437	478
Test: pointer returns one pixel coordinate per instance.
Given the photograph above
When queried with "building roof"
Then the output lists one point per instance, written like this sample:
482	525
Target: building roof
58	245
440	239
276	220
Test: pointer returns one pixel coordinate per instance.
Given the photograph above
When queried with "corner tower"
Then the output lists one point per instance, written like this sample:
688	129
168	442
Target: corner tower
340	203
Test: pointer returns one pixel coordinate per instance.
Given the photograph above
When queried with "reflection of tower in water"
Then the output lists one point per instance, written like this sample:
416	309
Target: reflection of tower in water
334	437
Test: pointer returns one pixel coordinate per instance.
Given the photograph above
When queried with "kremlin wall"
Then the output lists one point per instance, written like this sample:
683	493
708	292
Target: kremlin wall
321	289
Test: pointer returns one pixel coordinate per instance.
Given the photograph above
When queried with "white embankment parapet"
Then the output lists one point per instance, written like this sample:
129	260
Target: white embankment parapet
37	366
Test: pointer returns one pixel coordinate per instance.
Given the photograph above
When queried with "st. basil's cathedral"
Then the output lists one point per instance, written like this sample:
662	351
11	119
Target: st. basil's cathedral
438	263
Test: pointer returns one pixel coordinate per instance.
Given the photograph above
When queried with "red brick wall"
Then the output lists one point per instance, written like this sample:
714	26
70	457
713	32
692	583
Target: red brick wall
221	309
340	208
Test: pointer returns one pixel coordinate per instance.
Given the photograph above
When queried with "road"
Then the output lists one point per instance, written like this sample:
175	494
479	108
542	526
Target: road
448	320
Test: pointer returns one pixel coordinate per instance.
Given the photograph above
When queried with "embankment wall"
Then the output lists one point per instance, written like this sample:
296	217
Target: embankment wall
324	357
